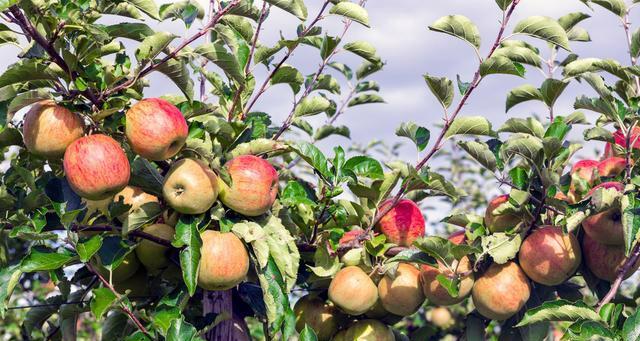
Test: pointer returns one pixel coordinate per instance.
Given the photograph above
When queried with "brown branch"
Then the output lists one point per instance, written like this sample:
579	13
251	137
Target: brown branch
150	68
626	267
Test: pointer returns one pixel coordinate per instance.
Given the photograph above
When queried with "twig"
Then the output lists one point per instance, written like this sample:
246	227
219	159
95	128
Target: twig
627	30
626	267
150	68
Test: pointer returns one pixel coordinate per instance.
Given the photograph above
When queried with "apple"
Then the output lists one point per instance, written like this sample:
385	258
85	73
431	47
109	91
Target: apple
353	291
606	226
49	129
549	256
431	287
612	166
502	222
152	255
501	291
224	261
583	175
155	129
378	312
340	336
605	261
127	268
352	256
190	187
403	224
401	295
323	317
254	185
369	330
96	167
621	140
135	197
137	285
441	317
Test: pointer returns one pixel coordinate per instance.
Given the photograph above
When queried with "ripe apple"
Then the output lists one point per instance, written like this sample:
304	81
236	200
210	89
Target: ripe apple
620	138
125	270
190	187
137	285
583	175
49	129
441	317
501	291
434	291
254	185
612	166
152	255
353	291
96	167
401	295
549	256
501	222
224	263
135	197
369	330
603	260
156	129
606	226
403	224
323	317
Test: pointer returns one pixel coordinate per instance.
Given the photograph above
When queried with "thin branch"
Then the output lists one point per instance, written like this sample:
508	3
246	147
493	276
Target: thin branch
626	267
173	54
627	30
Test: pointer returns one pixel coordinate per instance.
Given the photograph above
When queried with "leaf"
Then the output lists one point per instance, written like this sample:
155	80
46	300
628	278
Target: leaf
137	218
185	10
308	334
146	176
177	71
569	21
630	208
42	259
527	146
458	26
579	34
616	7
310	106
27	98
295	7
480	152
363	49
442	88
551	89
419	135
181	330
364	166
152	45
503	4
279	313
328	46
86	249
351	11
149	7
367	86
544	28
559	310
188	236
598	105
463	87
344	69
501	246
580	66
501	65
367	69
470	125
529	126
314	157
9	277
635	43
328	130
522	94
289	75
134	31
518	54
328	83
5	4
103	299
218	54
365	99
28	70
631	327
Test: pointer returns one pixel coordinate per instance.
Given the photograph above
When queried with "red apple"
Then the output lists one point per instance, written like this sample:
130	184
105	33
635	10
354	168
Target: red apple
612	166
49	129
500	222
606	226
224	263
501	291
190	187
401	295
549	256
403	224
621	140
135	197
96	167
603	260
254	185
156	129
353	291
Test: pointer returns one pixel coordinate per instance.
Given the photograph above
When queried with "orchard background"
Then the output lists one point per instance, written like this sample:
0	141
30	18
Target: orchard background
371	121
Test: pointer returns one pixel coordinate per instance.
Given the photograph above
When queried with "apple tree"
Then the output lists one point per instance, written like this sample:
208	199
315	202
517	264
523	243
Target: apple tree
195	216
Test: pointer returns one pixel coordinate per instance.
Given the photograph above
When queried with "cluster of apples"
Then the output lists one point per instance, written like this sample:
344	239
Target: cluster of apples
98	170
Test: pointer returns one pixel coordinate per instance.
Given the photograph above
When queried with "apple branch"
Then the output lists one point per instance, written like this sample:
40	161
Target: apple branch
289	120
173	54
626	267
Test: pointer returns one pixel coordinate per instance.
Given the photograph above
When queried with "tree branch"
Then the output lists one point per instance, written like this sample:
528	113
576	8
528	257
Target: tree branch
626	267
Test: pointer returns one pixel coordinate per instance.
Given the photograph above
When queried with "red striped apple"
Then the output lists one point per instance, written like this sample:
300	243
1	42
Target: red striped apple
612	166
254	185
403	224
603	260
190	187
606	226
501	291
96	167
224	263
49	129
156	129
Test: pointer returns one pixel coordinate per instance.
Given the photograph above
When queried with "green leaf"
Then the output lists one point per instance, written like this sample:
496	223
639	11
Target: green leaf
363	49
559	310
145	214
146	176
631	328
351	11
501	246
314	157
527	125
367	69
527	146
41	259
152	45
616	7
442	88
288	75
578	34
9	277
177	71
328	130
185	10
596	104
188	236
279	313
570	20
29	70
344	69
5	4
310	106
544	28
630	220
522	94
86	249
308	334
134	31
480	152
504	4
419	135
551	89
501	65
149	7
27	98
364	166
328	46
328	83
295	7
103	299
365	99
219	55
635	43
470	125
181	330
458	26
367	86
519	54
581	66
463	87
